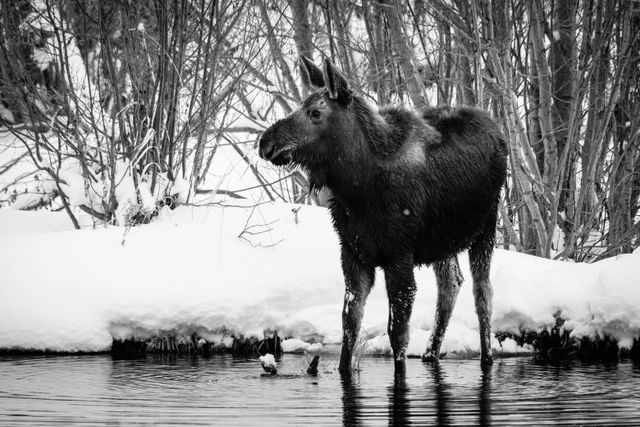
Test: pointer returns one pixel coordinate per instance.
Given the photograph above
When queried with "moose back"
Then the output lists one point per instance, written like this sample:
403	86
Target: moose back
408	188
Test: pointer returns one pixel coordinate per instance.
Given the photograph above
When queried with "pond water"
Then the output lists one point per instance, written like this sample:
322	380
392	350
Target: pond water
225	390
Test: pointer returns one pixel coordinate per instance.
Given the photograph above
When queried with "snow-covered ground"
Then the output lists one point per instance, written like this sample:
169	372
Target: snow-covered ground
222	271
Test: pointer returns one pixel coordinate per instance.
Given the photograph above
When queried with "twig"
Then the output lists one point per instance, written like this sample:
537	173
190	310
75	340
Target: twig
247	229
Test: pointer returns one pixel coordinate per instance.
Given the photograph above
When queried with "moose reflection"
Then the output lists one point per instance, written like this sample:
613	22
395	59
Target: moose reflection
408	188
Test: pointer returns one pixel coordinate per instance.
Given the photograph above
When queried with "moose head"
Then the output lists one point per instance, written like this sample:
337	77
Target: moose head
313	134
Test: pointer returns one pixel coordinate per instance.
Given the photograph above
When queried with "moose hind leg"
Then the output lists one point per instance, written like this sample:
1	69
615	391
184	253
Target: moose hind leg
401	290
480	259
449	279
358	280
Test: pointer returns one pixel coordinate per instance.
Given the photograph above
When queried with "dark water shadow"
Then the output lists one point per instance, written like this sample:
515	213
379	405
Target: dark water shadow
440	390
484	394
351	400
398	394
451	403
229	390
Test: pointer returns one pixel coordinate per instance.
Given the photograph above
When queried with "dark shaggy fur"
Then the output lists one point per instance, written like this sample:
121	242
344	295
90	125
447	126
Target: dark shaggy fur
408	189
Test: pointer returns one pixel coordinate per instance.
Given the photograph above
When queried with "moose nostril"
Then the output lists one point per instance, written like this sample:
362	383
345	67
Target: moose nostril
266	150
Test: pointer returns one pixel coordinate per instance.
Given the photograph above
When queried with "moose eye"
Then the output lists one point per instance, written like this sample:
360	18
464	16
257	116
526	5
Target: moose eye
315	114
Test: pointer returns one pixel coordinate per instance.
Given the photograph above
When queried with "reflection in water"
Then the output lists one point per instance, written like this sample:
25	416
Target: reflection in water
441	392
398	400
350	401
232	391
485	397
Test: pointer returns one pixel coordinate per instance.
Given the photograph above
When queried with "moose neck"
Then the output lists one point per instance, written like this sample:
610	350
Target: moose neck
351	176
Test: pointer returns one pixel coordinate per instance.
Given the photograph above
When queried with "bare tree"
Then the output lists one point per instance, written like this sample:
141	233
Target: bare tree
171	83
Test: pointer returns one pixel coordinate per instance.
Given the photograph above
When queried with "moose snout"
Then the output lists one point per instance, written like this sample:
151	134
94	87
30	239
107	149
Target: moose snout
272	148
267	147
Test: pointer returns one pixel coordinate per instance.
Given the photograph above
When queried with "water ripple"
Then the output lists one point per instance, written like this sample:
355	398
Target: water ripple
232	391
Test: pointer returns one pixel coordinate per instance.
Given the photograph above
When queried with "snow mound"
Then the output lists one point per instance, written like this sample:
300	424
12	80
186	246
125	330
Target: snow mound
295	345
221	273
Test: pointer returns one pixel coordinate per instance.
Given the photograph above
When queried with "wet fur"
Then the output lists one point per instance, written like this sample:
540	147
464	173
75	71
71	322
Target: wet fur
449	197
409	188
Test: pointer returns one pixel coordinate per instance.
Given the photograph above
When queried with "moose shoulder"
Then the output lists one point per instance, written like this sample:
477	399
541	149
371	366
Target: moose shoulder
409	188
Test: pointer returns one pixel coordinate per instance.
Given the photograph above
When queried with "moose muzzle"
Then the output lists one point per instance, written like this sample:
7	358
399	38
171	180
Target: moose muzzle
273	149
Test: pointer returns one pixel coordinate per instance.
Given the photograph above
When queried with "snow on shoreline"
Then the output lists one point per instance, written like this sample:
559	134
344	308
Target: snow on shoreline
67	290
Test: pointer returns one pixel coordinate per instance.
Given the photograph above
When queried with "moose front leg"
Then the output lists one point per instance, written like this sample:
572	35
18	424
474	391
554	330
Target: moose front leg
358	280
449	278
401	290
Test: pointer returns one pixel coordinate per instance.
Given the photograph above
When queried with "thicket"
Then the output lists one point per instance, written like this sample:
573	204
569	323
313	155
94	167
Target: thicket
166	83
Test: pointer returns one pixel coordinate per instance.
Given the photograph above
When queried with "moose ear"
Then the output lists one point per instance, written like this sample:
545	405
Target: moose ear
336	84
311	74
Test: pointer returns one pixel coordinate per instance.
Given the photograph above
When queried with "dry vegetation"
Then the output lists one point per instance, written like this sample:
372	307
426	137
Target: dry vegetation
161	85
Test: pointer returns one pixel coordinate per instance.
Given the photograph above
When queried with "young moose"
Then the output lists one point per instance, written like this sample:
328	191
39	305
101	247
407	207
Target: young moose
408	189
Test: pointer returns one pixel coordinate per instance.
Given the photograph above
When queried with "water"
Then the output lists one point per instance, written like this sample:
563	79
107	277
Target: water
223	390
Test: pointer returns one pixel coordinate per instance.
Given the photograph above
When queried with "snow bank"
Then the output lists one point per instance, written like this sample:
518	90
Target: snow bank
238	271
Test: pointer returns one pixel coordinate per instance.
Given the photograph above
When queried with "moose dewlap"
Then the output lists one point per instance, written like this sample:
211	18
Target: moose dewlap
408	188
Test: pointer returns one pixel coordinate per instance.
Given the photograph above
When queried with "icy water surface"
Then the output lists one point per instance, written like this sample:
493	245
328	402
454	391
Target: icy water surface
223	390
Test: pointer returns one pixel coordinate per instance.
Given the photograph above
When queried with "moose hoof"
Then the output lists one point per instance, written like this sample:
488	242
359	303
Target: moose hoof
345	370
430	357
486	360
400	368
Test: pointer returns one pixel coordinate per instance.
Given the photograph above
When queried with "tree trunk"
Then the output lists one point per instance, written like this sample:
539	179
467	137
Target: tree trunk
622	206
301	28
375	29
598	47
562	63
403	52
276	52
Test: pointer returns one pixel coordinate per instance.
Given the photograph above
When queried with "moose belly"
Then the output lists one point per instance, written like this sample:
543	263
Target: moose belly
382	242
374	241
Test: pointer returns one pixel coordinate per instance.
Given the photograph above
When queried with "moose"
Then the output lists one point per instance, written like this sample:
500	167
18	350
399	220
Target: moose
408	188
